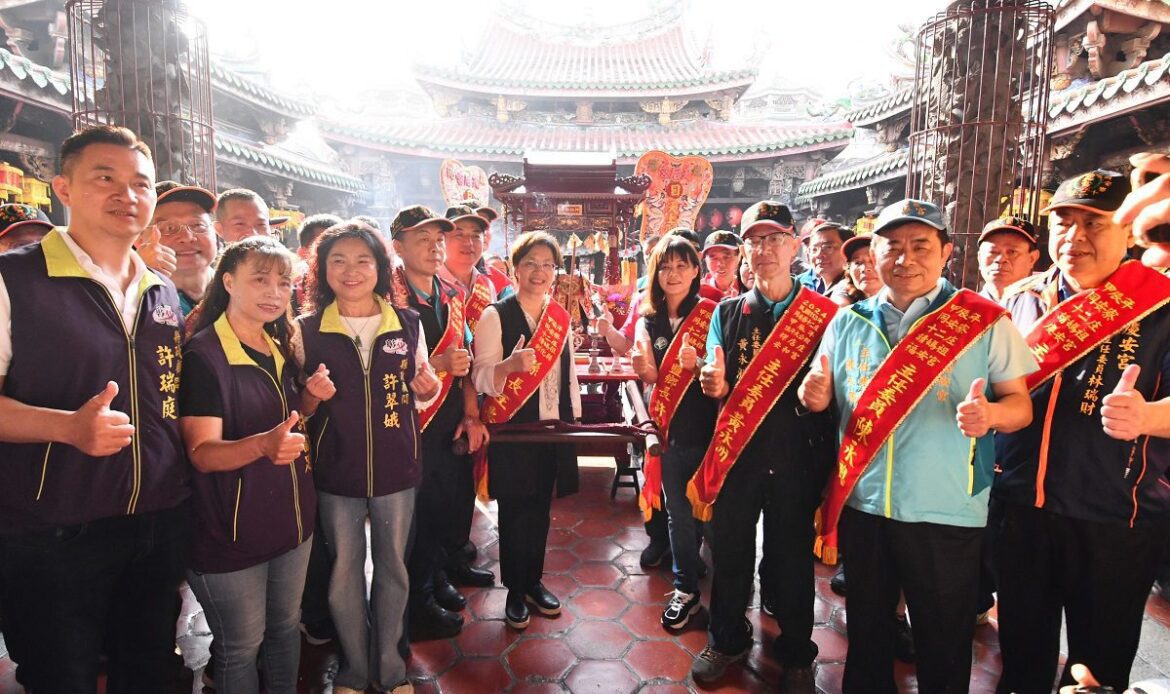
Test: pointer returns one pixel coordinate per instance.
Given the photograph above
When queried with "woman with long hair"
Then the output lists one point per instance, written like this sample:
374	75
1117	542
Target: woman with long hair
252	490
672	330
523	363
365	443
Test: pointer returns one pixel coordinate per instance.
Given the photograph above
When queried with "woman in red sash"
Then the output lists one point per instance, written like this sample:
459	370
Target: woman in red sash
524	365
674	323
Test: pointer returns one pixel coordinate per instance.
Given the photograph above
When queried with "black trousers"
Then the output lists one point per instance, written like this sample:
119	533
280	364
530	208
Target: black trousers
937	567
750	488
109	585
524	523
1098	574
434	521
462	506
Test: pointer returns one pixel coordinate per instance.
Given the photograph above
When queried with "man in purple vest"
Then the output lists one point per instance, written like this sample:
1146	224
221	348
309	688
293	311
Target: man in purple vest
94	527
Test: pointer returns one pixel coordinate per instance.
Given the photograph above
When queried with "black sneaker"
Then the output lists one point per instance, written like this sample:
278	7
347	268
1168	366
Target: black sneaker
515	611
711	664
447	596
319	633
904	641
430	620
680	609
837	582
464	575
467	553
544	601
655	552
798	680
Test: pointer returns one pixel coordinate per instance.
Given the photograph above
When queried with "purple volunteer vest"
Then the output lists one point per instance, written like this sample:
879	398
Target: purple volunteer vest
68	341
250	515
365	438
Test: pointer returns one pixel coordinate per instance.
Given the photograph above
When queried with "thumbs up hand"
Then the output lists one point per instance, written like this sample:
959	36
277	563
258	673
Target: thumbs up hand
99	431
455	361
974	414
642	361
155	254
522	358
281	445
816	391
713	376
426	384
1124	412
320	385
688	356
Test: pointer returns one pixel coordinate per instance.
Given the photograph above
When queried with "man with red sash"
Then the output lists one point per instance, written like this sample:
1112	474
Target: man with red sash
910	488
463	248
418	241
764	458
1085	499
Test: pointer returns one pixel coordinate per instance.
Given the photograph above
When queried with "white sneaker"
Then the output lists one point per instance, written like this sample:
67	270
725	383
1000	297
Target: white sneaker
680	609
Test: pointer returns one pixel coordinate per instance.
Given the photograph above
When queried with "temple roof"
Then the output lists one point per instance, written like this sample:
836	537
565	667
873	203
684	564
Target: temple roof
250	156
883	167
892	105
241	86
516	62
488	140
1106	98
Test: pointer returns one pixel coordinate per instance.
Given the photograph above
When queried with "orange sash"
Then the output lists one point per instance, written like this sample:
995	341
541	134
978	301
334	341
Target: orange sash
1077	325
673	383
548	340
452	336
904	378
770	372
481	298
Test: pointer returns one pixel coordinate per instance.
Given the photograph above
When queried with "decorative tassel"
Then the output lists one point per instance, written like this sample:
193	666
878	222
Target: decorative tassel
701	509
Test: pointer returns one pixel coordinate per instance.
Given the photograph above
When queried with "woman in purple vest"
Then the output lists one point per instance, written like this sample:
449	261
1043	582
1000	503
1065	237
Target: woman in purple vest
365	440
253	492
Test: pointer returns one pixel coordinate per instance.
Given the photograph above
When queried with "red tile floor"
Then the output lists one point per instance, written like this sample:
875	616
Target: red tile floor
608	638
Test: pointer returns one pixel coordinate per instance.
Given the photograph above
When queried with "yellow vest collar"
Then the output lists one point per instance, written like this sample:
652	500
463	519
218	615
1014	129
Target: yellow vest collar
234	349
331	319
60	262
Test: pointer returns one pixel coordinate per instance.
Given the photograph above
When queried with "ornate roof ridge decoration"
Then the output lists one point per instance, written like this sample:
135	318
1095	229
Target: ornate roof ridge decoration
250	156
254	92
883	167
54	84
523	63
637	183
897	103
1067	11
1112	96
482	139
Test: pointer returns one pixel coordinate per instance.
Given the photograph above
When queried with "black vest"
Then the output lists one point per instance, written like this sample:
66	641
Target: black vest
365	438
694	421
68	341
450	413
513	468
255	513
789	440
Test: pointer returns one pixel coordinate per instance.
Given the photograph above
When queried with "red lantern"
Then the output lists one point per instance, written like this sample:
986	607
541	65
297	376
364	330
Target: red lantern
734	214
700	223
716	219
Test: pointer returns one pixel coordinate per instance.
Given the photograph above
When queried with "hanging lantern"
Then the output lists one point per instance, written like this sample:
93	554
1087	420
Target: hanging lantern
734	214
36	193
11	181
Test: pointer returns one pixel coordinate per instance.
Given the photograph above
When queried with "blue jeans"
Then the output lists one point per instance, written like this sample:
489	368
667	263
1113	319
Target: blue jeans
254	607
678	466
368	630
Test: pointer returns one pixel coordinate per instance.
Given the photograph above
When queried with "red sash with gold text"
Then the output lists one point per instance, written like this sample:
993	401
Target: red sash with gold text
452	337
1077	325
770	372
481	298
548	340
672	385
906	375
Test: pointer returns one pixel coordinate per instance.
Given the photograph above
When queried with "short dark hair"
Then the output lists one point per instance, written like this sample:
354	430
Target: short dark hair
312	227
236	194
368	221
688	234
531	239
76	143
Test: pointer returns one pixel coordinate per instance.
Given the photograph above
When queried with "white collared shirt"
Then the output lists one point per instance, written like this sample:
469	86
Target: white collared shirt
126	301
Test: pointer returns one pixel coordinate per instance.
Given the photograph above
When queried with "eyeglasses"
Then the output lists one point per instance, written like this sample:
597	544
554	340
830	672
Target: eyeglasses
533	266
771	241
674	269
168	230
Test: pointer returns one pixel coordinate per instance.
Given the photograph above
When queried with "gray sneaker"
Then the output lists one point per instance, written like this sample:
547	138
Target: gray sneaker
711	664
